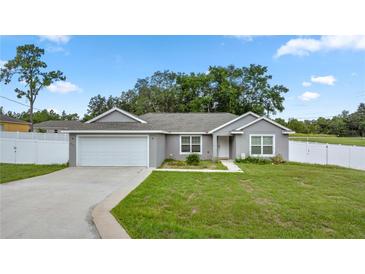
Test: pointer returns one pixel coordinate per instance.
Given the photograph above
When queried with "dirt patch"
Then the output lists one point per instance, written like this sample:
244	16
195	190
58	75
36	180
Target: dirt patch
246	184
263	201
280	222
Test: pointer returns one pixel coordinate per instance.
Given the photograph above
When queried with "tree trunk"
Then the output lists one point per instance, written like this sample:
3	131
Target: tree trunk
31	116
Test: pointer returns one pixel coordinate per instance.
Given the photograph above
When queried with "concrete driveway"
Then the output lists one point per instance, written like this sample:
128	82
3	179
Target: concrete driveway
58	205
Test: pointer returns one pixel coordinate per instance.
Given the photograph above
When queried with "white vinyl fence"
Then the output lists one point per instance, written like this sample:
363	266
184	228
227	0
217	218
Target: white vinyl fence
33	148
327	154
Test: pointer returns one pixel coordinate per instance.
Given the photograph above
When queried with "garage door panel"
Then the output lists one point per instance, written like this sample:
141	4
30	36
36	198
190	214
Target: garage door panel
112	151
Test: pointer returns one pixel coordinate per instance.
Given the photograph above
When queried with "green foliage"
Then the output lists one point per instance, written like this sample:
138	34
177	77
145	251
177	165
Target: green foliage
254	160
345	124
43	115
278	159
221	89
29	67
193	159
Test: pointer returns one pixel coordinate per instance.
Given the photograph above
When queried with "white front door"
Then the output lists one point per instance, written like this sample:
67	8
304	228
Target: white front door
112	151
223	146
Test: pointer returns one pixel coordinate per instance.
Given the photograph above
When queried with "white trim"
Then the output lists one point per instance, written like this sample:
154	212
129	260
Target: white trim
187	132
234	120
288	132
120	135
237	132
190	143
119	110
263	155
114	131
263	118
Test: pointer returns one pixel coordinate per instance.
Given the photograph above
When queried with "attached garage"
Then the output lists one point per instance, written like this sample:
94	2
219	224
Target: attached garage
112	150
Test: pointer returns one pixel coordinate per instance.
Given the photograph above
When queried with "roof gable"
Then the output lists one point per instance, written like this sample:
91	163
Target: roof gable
116	115
287	130
234	120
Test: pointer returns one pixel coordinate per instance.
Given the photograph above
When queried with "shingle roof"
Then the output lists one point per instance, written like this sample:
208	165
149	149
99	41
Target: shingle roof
62	124
171	122
5	118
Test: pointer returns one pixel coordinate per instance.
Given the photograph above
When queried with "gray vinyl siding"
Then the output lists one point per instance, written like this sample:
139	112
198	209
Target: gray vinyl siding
239	123
156	148
173	147
262	127
115	116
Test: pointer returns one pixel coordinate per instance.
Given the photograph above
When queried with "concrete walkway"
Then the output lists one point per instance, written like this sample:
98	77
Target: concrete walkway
231	168
59	204
231	165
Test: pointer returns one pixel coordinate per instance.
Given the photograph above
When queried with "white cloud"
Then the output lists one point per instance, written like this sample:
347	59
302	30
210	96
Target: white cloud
306	84
2	63
325	80
63	87
308	96
305	46
58	39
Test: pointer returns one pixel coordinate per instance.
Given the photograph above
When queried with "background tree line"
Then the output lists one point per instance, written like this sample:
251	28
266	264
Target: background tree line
41	115
220	89
344	124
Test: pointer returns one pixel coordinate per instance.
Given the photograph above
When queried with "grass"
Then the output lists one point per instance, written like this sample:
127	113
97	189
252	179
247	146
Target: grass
266	201
328	139
12	172
202	165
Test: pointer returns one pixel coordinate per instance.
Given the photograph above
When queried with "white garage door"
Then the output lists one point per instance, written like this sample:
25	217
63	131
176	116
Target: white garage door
112	151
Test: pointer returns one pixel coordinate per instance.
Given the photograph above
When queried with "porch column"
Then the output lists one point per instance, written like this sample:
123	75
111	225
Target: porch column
215	147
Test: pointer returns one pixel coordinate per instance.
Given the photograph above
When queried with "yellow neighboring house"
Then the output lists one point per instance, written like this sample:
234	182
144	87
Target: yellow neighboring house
11	124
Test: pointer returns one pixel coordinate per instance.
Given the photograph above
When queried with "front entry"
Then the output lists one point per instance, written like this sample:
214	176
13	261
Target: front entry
223	147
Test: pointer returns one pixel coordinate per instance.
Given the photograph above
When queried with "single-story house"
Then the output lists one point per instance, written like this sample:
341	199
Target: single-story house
12	124
56	126
119	138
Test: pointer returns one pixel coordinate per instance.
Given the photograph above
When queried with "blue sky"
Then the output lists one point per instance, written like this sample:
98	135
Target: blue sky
333	68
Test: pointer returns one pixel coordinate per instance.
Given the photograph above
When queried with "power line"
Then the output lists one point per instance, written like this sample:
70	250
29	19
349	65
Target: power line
18	102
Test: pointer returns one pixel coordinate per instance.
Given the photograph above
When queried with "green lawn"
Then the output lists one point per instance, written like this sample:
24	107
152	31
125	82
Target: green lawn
12	172
266	201
202	165
328	139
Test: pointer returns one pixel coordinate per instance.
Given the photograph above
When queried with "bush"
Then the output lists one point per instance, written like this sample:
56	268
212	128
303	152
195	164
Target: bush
193	159
278	159
253	160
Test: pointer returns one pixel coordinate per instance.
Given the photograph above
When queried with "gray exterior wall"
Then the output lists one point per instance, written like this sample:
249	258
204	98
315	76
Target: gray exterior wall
239	123
156	148
242	142
173	147
116	116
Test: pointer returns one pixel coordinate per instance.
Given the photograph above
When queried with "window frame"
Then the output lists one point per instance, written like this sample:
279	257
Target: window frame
262	145
191	144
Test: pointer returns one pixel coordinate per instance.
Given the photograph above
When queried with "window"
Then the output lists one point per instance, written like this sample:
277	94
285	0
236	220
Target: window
190	144
262	145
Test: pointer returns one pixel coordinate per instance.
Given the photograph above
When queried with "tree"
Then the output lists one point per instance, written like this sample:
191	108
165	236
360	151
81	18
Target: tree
221	89
71	116
29	67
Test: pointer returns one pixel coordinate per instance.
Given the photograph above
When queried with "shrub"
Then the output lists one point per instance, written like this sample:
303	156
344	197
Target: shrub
193	159
278	159
253	160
